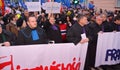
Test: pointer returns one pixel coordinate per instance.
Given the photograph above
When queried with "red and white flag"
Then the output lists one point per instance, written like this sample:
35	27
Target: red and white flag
49	0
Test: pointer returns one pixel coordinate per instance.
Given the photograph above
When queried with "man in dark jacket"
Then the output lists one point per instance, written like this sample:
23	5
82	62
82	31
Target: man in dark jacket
79	32
116	24
25	15
107	25
96	28
53	31
32	34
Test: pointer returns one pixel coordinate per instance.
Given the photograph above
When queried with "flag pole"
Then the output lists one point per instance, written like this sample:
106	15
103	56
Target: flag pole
52	8
41	6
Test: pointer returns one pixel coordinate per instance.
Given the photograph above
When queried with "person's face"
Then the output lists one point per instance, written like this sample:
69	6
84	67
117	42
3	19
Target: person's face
24	24
52	20
117	22
42	14
84	21
0	30
35	13
68	19
99	20
32	22
16	18
26	13
104	17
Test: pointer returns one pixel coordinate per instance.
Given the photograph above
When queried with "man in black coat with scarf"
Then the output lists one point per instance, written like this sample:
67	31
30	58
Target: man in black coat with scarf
32	34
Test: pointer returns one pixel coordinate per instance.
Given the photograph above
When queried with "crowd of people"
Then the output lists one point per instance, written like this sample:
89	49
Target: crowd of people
20	27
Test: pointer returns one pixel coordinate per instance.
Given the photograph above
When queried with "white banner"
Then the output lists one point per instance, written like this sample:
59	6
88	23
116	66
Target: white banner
43	57
108	49
51	7
33	6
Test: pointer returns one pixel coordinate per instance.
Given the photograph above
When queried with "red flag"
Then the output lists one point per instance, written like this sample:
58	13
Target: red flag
49	0
2	6
61	9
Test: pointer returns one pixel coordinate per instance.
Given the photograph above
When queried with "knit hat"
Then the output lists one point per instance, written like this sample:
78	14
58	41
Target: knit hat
18	16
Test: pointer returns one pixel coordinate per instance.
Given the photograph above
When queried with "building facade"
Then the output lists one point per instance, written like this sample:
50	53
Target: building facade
107	4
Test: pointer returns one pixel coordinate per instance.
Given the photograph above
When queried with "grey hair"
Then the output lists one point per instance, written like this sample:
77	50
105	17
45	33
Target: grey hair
80	16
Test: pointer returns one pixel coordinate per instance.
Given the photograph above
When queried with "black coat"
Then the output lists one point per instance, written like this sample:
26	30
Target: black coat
74	33
95	28
107	26
8	36
115	27
25	37
52	34
91	52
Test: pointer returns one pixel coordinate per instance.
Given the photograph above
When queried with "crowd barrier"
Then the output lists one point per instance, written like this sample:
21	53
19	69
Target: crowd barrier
108	49
43	57
65	56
